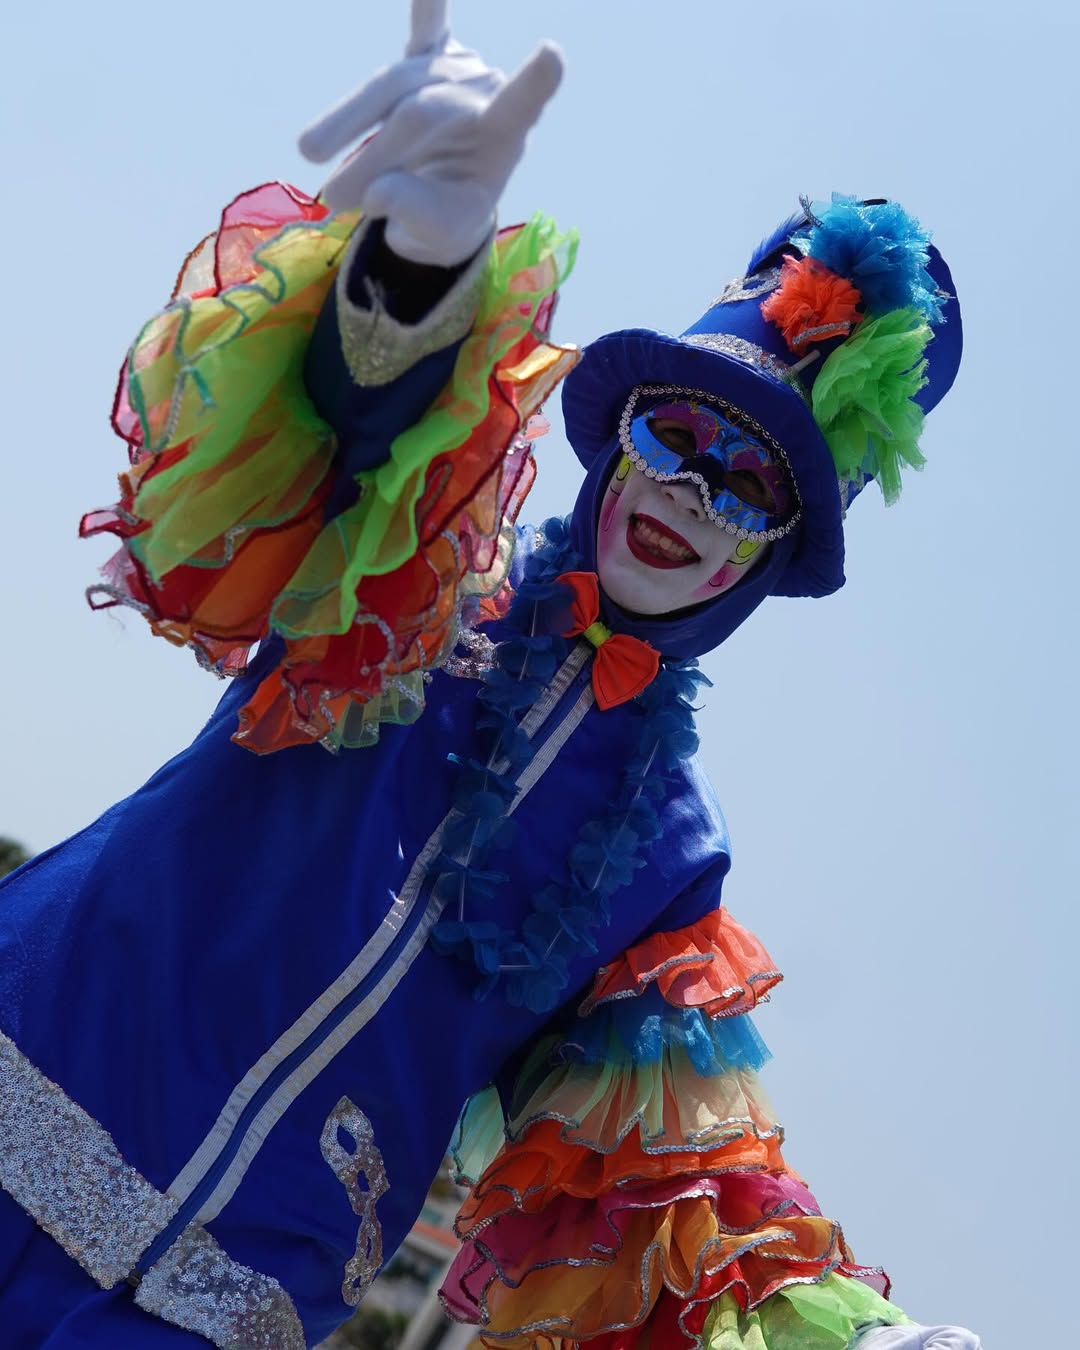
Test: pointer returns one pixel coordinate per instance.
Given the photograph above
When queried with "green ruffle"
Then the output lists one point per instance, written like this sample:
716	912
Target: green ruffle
400	703
822	1316
864	399
378	533
218	380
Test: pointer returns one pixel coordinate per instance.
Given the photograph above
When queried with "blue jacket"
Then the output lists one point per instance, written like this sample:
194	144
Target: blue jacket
230	1059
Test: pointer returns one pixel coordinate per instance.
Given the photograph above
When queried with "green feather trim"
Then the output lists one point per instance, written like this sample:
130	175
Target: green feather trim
864	399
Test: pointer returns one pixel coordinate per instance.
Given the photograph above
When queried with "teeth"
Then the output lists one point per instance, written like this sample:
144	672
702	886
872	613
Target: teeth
663	544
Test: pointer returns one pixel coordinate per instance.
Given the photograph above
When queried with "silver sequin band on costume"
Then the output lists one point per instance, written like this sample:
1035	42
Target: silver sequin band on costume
64	1170
195	1285
377	348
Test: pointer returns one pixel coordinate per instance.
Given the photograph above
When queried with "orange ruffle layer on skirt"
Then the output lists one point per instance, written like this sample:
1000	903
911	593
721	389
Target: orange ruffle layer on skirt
528	1176
584	1268
715	965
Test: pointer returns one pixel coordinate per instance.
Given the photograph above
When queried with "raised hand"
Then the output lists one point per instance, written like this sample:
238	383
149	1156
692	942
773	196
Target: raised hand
451	129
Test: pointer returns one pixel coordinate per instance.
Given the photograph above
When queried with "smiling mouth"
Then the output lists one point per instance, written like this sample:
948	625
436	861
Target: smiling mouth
656	546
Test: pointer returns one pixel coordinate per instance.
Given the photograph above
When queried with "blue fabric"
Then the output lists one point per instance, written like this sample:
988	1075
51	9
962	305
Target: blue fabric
530	965
49	1303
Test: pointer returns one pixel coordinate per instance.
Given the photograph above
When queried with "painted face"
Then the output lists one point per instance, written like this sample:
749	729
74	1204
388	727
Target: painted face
691	507
658	552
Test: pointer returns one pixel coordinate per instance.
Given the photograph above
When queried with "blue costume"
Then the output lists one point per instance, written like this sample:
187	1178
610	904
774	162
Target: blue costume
241	1012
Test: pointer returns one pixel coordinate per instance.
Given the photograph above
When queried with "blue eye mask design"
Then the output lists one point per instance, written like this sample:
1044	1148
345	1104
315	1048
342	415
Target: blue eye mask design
677	435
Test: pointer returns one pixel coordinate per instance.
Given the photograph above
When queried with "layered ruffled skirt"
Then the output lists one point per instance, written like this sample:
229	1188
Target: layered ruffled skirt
633	1192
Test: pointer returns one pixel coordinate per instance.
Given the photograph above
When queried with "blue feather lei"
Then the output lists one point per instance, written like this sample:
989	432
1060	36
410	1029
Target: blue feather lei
532	965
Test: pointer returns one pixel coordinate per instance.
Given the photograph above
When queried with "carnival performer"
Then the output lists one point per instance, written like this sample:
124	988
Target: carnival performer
241	1012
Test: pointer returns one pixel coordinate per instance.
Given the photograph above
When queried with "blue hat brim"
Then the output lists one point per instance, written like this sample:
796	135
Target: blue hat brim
596	390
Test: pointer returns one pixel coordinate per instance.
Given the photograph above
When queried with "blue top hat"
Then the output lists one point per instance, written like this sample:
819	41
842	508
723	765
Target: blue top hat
844	331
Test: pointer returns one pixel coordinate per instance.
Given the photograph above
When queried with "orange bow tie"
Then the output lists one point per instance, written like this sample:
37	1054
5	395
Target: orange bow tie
623	665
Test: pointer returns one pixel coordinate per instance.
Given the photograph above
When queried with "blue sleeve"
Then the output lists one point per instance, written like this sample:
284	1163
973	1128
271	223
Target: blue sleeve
368	418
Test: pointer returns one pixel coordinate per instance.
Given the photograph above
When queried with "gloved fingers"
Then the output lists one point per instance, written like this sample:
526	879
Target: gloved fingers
518	104
437	124
369	105
429	27
395	145
375	101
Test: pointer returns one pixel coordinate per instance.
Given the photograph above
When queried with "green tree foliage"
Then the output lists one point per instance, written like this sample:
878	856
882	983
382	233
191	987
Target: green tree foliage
12	855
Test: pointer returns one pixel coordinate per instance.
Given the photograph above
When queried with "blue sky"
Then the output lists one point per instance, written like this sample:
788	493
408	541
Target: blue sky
897	763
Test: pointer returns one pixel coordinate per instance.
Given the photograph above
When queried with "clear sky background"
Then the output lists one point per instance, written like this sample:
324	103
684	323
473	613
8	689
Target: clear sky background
897	763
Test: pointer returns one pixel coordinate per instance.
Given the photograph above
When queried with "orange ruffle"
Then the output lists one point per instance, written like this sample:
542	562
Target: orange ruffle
812	303
574	1275
715	965
533	1173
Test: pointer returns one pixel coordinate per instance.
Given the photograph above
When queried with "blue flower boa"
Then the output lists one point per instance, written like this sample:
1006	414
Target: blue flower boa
532	965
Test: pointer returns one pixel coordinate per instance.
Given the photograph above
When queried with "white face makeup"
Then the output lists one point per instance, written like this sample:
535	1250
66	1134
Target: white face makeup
656	549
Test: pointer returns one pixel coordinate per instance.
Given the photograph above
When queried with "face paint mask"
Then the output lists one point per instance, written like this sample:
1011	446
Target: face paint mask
657	552
681	435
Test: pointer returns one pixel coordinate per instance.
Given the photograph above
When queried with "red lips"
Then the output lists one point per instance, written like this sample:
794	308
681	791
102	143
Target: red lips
650	541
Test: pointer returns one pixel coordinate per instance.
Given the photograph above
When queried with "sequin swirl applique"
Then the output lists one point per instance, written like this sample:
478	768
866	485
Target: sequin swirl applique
477	658
197	1286
63	1168
365	1161
748	288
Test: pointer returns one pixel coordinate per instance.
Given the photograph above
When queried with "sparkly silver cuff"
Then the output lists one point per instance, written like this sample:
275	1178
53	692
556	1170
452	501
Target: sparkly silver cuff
377	348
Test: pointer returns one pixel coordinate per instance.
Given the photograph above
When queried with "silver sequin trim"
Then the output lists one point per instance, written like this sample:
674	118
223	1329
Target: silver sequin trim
197	1286
63	1168
364	1162
749	353
379	349
749	288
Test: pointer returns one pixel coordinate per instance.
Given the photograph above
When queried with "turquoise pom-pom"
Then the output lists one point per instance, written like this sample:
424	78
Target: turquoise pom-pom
880	249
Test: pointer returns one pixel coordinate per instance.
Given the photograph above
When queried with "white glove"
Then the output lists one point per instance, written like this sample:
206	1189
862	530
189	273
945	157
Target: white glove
452	130
918	1338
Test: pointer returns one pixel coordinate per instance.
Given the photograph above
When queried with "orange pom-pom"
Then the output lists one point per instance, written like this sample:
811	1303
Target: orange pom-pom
812	303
